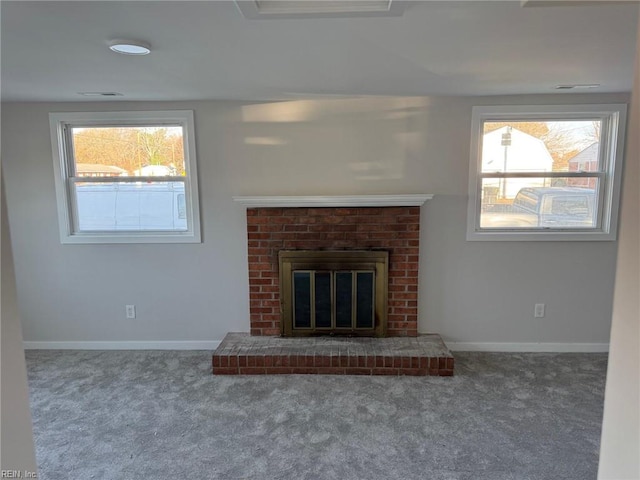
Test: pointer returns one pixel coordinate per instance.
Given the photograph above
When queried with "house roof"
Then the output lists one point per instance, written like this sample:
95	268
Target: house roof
589	154
97	168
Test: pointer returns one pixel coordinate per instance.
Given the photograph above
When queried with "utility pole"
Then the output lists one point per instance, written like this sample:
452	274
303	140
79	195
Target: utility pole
506	143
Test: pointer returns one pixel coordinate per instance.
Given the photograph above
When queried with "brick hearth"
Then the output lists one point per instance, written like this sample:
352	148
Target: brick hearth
394	229
242	354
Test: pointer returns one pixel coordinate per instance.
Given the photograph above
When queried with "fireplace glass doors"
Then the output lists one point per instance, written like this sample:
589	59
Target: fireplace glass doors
333	293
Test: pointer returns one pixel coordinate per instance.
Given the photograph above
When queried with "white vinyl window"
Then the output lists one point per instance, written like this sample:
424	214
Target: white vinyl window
126	177
545	172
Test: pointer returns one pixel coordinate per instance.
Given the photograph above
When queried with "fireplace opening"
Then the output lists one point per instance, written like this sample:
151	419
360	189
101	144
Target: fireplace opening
333	293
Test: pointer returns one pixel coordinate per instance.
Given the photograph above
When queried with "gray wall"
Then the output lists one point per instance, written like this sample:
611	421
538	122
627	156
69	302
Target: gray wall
469	291
620	445
16	435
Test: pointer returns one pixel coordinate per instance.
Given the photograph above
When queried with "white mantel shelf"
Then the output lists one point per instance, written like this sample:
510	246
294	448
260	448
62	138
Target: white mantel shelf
407	200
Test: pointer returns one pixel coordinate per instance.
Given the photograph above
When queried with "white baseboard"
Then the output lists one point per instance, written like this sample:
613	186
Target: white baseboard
528	347
125	345
213	344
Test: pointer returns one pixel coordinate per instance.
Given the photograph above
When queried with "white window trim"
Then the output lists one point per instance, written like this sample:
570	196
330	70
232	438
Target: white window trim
58	125
612	149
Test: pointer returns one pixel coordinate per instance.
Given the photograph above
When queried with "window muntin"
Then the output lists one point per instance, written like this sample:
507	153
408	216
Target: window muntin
126	177
545	173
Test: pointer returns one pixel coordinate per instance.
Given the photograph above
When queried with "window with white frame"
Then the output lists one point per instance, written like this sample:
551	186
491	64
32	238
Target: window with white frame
545	172
126	177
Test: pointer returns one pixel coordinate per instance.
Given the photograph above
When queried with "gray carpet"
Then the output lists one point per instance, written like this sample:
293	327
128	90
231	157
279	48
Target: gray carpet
162	415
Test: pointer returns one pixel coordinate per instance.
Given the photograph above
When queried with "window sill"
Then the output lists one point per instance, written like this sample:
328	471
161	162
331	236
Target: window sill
130	237
539	236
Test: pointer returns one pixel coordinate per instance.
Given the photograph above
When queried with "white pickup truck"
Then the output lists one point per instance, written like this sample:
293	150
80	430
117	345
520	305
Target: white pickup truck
546	207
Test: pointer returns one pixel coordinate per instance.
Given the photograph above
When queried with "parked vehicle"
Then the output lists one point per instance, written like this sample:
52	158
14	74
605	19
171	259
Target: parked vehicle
546	207
131	206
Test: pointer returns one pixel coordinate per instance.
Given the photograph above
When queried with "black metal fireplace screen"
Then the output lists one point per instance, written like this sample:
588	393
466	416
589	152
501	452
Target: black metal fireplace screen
333	293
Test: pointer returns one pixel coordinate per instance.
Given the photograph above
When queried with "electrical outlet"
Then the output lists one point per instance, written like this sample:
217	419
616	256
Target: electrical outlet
131	311
538	311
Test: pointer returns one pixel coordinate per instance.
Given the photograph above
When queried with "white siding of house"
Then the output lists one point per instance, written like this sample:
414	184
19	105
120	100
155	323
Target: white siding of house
525	154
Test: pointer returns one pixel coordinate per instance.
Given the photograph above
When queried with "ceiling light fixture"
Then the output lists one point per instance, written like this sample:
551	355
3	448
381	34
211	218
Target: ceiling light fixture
130	47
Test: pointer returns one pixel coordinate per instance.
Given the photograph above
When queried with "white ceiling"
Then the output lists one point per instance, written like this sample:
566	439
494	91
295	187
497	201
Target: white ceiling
209	50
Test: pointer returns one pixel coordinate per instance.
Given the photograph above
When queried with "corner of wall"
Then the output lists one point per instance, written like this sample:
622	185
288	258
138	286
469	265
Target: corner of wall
16	431
620	443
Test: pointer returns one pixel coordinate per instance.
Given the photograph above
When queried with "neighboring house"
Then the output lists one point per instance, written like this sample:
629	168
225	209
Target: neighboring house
585	161
508	149
97	170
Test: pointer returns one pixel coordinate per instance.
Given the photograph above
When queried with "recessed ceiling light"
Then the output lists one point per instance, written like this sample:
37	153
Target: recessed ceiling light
571	86
130	47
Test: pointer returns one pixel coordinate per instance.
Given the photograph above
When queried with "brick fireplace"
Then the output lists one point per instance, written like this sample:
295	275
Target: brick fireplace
383	223
395	229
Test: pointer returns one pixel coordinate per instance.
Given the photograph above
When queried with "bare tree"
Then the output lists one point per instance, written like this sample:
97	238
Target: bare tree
129	148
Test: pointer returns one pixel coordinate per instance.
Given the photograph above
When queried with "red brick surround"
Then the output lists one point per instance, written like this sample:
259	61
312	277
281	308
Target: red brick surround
395	229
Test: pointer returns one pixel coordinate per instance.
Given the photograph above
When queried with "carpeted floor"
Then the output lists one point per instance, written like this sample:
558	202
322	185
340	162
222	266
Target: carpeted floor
162	415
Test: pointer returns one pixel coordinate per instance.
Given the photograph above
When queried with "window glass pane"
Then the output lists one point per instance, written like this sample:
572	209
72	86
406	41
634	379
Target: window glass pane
539	203
323	299
343	299
130	206
364	300
541	146
182	206
128	151
301	299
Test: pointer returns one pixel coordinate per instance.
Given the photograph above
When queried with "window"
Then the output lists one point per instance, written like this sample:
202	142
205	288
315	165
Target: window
545	172
126	177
